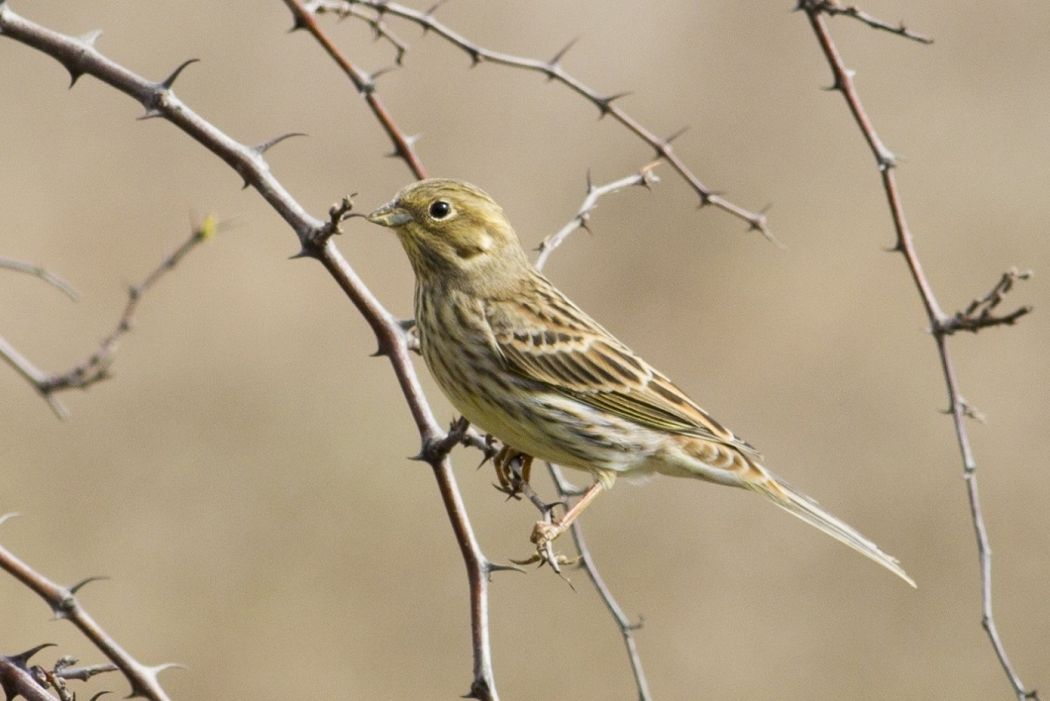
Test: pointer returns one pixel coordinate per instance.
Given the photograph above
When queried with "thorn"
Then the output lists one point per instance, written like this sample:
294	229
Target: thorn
433	8
674	136
475	56
496	567
410	141
382	71
297	24
84	582
706	196
590	182
605	103
21	659
150	113
170	80
267	145
561	54
74	75
91	37
164	667
303	253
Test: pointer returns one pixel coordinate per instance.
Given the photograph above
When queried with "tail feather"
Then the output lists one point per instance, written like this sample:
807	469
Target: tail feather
801	506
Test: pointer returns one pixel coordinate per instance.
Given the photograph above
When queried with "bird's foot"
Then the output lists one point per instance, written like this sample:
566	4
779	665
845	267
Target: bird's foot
543	535
513	469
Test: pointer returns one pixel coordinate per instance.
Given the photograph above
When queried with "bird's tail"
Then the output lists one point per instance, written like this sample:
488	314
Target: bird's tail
801	506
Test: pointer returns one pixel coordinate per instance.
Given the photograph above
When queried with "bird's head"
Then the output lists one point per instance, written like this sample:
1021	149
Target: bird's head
452	229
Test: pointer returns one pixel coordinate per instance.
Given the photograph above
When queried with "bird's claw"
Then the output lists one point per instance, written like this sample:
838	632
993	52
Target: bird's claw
513	469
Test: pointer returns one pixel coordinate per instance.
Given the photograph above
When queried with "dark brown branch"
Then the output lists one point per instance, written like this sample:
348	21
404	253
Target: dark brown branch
834	7
365	85
940	326
553	70
64	604
314	235
96	367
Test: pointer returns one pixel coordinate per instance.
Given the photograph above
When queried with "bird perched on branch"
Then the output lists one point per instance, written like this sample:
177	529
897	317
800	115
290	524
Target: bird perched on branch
525	364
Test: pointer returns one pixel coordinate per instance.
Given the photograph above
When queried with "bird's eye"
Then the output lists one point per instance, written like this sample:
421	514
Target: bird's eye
439	209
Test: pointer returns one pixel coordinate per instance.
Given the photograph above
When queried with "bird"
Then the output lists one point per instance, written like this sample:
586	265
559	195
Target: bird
520	361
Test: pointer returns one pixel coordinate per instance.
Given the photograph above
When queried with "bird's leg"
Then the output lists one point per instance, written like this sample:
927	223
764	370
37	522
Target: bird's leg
513	469
544	532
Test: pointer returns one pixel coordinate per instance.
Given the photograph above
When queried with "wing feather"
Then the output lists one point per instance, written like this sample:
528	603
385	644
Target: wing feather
548	339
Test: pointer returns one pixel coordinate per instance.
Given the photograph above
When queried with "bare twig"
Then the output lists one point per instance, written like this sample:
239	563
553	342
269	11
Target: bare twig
587	563
365	84
96	367
834	7
81	57
980	313
379	28
645	178
941	325
553	70
42	273
63	671
581	220
64	604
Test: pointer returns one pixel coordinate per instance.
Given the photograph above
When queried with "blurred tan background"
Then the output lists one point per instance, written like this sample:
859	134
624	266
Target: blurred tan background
242	479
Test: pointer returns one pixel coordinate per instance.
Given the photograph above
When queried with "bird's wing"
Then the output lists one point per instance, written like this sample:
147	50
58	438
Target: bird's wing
548	339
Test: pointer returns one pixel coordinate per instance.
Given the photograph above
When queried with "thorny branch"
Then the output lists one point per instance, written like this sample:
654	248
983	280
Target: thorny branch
365	84
64	604
977	315
80	57
554	71
96	367
587	563
581	220
460	431
643	178
834	7
380	30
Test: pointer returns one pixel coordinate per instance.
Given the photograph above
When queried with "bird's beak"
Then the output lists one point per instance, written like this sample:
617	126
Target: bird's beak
390	215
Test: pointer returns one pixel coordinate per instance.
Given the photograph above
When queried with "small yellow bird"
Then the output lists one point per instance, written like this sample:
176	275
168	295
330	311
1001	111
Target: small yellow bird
525	364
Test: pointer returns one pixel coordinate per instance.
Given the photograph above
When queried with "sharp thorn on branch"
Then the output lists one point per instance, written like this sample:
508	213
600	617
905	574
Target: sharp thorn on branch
89	38
22	658
675	135
267	145
605	103
73	589
433	8
381	72
170	80
561	53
